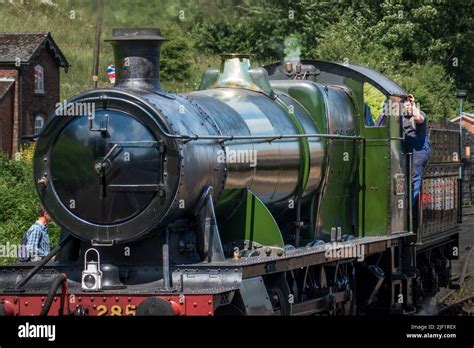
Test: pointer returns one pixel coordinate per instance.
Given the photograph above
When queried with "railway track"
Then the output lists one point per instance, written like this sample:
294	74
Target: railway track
465	306
459	299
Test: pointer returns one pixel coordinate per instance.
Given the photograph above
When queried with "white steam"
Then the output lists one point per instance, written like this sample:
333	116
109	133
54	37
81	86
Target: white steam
292	49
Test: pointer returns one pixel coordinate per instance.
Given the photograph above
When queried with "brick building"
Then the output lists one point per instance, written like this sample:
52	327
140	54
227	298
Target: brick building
29	85
468	154
467	121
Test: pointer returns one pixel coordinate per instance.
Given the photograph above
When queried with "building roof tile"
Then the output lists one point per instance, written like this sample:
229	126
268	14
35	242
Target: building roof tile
23	47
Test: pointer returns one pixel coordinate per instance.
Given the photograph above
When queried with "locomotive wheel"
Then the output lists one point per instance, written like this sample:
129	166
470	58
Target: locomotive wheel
279	301
278	294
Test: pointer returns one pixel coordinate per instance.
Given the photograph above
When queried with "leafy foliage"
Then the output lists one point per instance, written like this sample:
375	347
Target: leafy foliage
18	200
424	46
176	60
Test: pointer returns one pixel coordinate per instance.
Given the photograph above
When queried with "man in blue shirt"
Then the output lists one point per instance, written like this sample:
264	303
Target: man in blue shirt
416	141
36	239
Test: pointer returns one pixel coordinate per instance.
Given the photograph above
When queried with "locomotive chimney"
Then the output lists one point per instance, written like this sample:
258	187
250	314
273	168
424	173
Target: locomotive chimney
137	57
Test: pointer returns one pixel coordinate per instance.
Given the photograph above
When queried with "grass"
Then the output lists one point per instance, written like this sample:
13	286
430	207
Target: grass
72	26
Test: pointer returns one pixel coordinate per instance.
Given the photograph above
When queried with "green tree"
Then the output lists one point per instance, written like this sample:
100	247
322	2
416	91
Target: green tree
176	59
433	88
441	32
425	46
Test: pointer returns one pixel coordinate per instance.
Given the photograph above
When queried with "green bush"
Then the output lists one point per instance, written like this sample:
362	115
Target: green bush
18	200
176	60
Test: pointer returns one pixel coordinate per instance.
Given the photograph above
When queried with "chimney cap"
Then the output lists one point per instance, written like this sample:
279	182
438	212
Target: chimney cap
134	34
